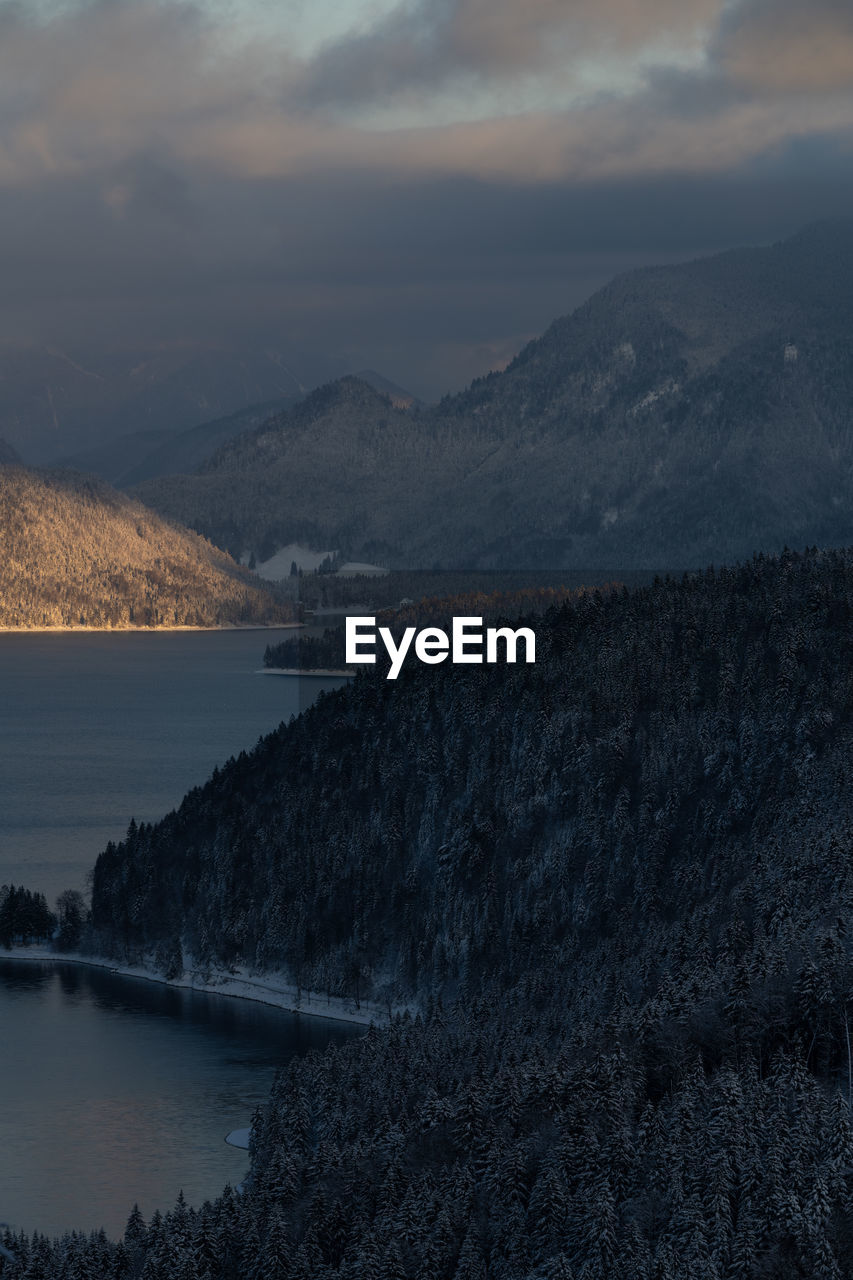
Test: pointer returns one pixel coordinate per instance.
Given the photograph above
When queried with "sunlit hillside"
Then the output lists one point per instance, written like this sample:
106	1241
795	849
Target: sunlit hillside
76	553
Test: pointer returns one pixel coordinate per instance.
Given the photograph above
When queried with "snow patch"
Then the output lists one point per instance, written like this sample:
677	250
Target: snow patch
238	1138
278	566
665	389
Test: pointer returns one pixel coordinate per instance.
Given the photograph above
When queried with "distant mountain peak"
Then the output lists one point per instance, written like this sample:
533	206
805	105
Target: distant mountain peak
683	414
399	397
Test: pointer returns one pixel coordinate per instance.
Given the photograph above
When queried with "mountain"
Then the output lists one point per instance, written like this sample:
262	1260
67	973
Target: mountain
682	415
399	397
143	455
343	465
77	553
7	453
60	402
113	458
613	891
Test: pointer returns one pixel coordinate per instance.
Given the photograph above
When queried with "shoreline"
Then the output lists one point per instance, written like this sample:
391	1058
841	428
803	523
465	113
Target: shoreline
269	989
227	626
303	671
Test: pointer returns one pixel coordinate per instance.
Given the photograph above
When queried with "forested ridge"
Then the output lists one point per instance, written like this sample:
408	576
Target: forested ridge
682	415
616	885
77	553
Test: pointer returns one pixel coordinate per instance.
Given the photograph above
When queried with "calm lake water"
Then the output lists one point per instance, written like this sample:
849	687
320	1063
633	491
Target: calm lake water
115	1090
96	729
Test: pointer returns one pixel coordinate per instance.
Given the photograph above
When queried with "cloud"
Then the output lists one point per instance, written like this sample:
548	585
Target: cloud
95	88
784	46
164	176
421	47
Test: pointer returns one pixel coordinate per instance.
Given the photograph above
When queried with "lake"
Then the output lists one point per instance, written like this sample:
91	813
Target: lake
117	1090
98	728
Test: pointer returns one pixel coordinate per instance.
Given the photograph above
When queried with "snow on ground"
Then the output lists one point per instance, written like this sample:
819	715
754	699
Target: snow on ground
267	988
278	566
238	1138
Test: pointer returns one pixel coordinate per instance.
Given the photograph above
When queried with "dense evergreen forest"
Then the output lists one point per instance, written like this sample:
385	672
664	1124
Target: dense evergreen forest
614	890
309	653
77	553
24	917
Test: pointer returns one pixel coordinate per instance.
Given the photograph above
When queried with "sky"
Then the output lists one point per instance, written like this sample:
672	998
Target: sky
416	187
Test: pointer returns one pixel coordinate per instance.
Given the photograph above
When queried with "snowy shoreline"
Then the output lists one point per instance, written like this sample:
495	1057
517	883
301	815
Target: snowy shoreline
238	1138
271	989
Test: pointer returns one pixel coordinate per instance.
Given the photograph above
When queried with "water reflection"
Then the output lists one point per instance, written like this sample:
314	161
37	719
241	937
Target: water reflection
118	1090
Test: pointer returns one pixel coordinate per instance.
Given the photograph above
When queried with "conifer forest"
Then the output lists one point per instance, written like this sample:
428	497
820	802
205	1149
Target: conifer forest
604	902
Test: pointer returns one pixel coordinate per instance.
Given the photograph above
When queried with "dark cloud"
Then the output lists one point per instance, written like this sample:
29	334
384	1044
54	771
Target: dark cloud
432	281
162	185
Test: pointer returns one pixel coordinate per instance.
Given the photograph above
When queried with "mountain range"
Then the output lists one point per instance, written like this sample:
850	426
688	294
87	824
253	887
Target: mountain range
131	459
683	414
58	401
